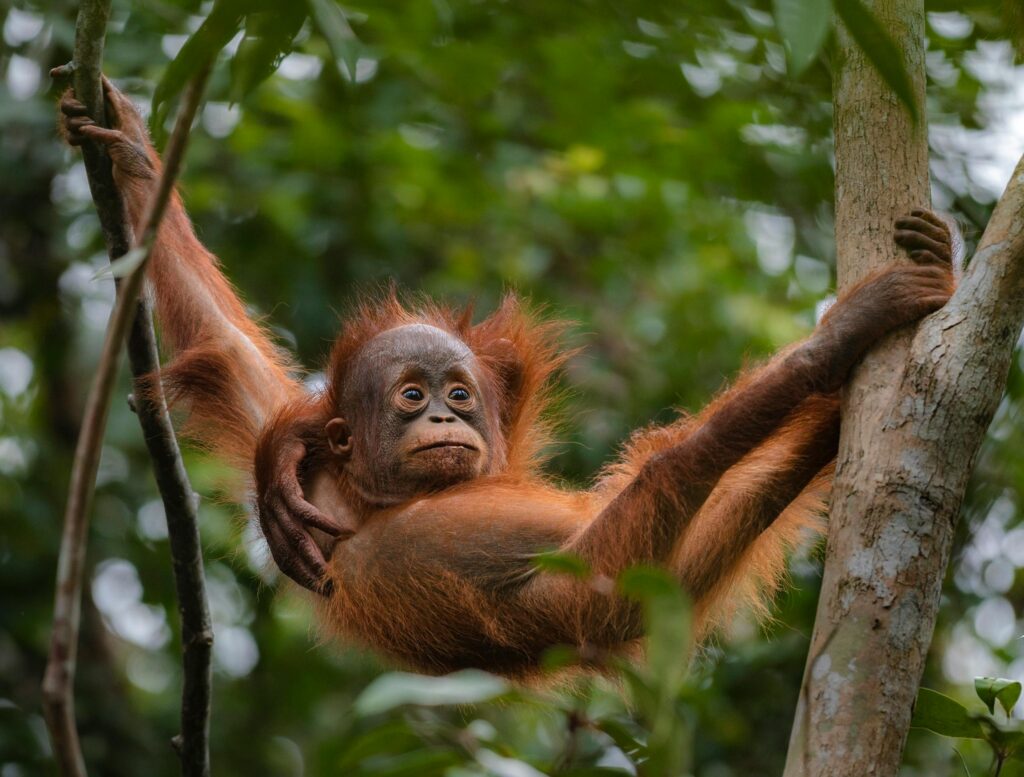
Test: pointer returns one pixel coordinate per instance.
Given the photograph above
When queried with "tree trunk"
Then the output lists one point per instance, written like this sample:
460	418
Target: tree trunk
914	417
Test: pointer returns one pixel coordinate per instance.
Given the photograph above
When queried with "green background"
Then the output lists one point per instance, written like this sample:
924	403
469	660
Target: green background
652	173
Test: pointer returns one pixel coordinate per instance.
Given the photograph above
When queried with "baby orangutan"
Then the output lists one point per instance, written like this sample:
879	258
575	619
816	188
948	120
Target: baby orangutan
408	493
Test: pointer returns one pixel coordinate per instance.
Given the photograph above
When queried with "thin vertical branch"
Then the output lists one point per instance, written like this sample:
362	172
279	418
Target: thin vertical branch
181	504
182	509
58	682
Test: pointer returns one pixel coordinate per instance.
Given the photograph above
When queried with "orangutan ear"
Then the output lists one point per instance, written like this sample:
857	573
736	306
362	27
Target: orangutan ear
339	437
510	371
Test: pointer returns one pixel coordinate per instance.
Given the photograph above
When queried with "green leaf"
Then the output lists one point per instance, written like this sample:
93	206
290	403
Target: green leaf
880	49
667	612
939	713
419	763
268	38
647	692
124	265
803	25
626	735
565	563
559	657
993	689
330	21
657	685
395	689
388	738
1009	741
646	583
202	47
668	640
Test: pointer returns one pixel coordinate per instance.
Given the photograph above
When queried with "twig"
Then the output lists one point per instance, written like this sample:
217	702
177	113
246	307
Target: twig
58	682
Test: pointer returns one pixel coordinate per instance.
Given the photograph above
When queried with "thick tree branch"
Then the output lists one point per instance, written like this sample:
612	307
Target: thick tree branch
58	683
915	417
990	294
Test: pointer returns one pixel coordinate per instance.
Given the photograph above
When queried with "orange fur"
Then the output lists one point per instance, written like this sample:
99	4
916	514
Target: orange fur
226	367
227	373
446	579
439	608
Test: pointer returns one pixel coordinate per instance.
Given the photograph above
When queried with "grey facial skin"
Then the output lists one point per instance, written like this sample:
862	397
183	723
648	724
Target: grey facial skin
417	413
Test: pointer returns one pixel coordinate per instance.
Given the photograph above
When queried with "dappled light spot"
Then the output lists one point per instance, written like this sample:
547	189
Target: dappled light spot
23	77
21	26
16	370
234	651
117	593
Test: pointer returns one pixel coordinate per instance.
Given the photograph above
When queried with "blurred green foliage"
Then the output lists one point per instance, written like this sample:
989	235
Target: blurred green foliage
942	715
653	173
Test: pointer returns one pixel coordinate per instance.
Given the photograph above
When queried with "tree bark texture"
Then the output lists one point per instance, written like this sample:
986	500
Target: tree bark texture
914	417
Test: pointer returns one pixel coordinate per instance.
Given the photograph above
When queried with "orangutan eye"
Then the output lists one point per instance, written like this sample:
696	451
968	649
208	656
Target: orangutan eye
412	394
459	395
